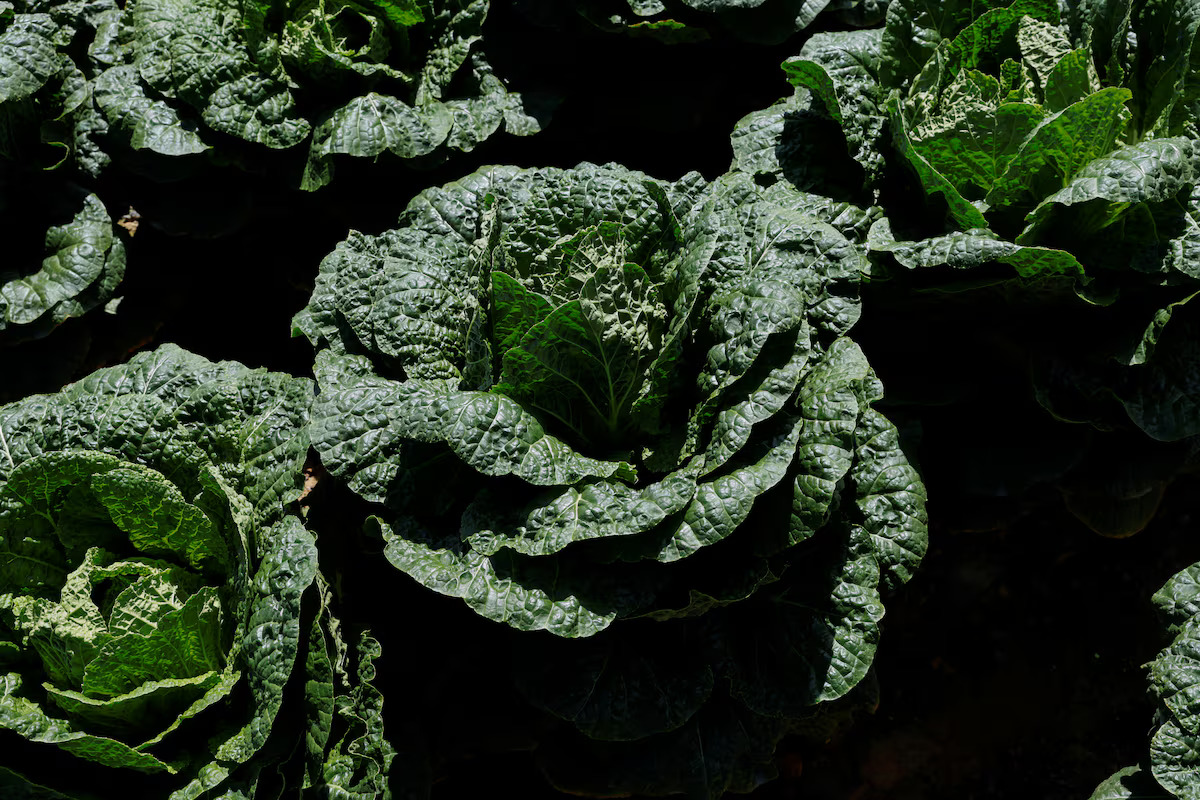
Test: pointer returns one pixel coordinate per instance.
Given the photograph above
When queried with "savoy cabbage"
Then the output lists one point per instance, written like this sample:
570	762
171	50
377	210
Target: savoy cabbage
101	79
626	411
159	594
1037	153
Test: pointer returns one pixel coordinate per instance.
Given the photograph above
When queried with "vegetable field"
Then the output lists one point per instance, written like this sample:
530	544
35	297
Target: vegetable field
612	398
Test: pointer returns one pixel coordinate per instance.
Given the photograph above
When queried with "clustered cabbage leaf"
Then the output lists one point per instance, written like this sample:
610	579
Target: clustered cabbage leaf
153	581
1060	144
1039	149
626	411
1171	768
333	77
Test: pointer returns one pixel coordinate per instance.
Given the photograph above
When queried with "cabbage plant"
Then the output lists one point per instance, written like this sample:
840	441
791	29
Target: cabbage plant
159	594
1034	154
1171	768
626	411
326	77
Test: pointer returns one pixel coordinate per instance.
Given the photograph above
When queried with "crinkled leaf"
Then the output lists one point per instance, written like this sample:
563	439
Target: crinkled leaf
1130	783
192	51
1179	599
722	504
28	720
971	249
1175	760
1104	189
368	126
830	402
1064	142
149	123
80	254
842	71
28	56
811	646
593	510
357	426
891	497
527	594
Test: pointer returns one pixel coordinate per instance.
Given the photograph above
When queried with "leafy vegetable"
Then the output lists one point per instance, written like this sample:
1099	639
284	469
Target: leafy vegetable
1171	767
84	262
335	77
153	579
584	396
1041	150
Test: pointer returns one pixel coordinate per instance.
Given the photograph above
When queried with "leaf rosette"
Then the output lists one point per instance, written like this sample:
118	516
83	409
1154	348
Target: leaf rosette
151	574
600	405
1029	155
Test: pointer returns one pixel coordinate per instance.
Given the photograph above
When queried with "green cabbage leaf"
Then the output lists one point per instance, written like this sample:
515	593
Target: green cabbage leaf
625	411
1171	768
154	578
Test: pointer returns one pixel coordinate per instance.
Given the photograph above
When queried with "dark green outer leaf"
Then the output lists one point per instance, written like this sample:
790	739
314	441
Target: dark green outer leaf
971	249
1162	396
1175	760
358	420
369	125
193	51
1175	676
527	594
175	410
806	646
830	400
1147	172
150	124
84	253
28	56
1179	599
593	510
401	294
722	504
891	498
842	71
1130	783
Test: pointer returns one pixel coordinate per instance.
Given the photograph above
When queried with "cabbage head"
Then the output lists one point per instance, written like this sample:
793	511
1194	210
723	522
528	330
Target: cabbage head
625	411
152	572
